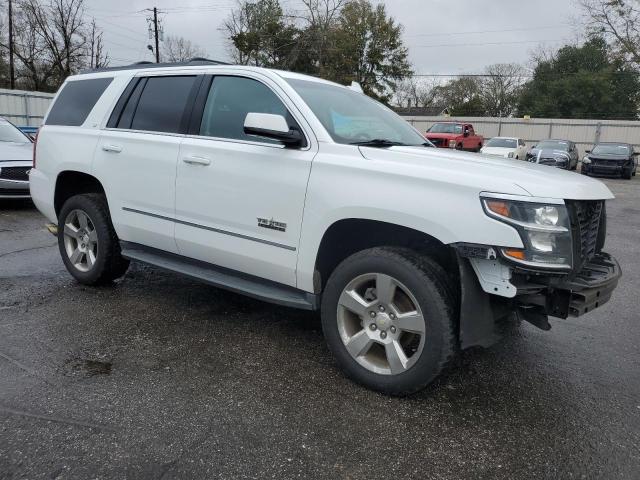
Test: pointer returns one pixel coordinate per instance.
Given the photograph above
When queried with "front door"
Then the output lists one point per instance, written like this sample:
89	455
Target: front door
239	198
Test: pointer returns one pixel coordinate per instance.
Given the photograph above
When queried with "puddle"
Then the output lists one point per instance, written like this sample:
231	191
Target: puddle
89	368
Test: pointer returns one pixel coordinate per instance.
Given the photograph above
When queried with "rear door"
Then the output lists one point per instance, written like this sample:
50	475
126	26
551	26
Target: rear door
240	198
137	154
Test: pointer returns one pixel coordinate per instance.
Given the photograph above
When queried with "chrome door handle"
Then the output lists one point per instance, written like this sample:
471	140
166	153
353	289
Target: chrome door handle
196	160
112	148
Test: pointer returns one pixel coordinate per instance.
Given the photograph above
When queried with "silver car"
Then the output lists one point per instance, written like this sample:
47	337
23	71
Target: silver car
16	159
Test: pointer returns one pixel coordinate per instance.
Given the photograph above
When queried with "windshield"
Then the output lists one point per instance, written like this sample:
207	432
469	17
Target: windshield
502	143
553	145
10	133
445	128
352	117
611	149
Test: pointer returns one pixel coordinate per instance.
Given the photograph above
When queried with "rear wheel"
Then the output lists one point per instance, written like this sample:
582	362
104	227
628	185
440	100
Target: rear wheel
389	319
87	241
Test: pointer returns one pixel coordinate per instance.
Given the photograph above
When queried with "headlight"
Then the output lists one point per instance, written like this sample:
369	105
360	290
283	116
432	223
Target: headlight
452	144
586	160
510	155
545	231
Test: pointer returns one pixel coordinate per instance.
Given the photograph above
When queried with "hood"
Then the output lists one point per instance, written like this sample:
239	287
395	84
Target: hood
490	174
608	156
501	151
442	135
10	151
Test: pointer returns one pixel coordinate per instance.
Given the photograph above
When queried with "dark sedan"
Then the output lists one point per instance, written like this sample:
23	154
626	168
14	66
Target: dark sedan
556	153
611	160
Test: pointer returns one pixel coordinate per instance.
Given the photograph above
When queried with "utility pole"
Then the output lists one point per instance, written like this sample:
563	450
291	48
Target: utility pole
155	29
12	74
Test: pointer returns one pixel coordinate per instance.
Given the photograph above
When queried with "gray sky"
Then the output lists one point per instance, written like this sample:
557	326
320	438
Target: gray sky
443	36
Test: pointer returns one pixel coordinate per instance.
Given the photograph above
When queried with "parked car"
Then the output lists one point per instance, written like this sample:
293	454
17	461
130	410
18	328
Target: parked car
16	158
460	136
611	159
508	147
206	170
557	153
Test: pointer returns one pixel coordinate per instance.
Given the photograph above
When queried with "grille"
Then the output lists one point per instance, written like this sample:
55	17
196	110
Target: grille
438	142
585	225
15	173
605	163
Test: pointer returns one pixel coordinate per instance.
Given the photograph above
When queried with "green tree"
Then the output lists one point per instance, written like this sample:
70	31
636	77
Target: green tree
582	82
368	50
261	34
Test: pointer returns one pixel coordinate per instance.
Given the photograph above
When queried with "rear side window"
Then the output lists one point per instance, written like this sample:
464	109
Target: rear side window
157	104
76	100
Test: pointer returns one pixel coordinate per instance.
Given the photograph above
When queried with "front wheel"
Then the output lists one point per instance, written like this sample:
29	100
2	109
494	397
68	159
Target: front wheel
389	318
87	240
626	174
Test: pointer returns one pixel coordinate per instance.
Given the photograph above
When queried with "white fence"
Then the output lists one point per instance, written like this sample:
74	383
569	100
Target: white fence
24	108
583	132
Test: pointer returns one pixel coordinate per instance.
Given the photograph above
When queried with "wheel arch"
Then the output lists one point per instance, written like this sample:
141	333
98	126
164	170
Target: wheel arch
347	236
73	182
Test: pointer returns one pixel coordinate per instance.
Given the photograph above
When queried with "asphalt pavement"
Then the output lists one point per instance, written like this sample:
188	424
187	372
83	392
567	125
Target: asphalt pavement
159	376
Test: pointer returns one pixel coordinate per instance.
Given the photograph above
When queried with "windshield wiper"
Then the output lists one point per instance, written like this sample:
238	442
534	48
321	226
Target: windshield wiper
378	143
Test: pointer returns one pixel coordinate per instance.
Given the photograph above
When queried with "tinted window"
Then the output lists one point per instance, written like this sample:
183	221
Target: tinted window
502	142
553	145
76	100
229	101
129	109
162	104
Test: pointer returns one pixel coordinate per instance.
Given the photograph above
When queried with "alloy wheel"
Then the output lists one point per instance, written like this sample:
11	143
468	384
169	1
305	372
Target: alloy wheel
381	324
80	240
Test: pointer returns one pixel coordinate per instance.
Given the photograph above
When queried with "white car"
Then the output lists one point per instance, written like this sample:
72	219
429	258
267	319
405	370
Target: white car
305	193
16	158
507	147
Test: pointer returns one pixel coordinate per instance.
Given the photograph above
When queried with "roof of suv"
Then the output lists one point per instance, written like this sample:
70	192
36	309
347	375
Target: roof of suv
198	64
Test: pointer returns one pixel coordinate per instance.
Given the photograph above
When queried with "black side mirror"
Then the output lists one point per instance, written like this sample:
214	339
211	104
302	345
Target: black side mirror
466	133
587	151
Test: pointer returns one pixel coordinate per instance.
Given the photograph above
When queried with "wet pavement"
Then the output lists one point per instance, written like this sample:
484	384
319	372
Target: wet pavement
158	376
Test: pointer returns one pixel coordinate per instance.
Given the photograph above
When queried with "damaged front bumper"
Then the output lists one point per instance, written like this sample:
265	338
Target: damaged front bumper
532	296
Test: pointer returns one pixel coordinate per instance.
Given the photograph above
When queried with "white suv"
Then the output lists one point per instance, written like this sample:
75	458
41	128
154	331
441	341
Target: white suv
305	193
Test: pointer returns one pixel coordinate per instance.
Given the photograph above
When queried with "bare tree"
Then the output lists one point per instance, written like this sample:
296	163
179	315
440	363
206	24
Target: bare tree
618	21
415	92
95	48
321	17
179	49
500	88
61	26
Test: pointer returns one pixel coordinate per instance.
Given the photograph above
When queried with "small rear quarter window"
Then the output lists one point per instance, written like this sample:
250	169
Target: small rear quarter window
76	100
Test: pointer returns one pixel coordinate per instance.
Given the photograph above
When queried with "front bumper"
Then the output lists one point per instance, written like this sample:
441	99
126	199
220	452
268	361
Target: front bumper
593	286
605	170
14	189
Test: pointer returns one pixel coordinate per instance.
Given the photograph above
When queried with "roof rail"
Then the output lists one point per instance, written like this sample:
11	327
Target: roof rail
194	62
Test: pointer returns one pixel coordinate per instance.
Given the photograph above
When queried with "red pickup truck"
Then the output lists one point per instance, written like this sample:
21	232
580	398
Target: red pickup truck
460	136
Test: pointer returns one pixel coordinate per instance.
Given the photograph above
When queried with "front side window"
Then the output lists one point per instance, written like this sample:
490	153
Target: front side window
76	100
351	117
229	101
161	104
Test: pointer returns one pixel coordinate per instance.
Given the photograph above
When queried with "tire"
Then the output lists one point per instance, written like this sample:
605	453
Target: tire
479	148
421	286
626	174
89	248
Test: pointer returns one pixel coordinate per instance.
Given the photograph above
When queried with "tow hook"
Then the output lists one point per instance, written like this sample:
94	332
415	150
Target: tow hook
535	315
53	228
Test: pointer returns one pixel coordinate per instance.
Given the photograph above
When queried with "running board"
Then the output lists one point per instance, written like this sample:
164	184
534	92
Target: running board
220	277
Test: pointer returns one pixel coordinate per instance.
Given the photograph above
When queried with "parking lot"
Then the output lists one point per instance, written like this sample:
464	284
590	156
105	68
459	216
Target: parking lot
158	376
